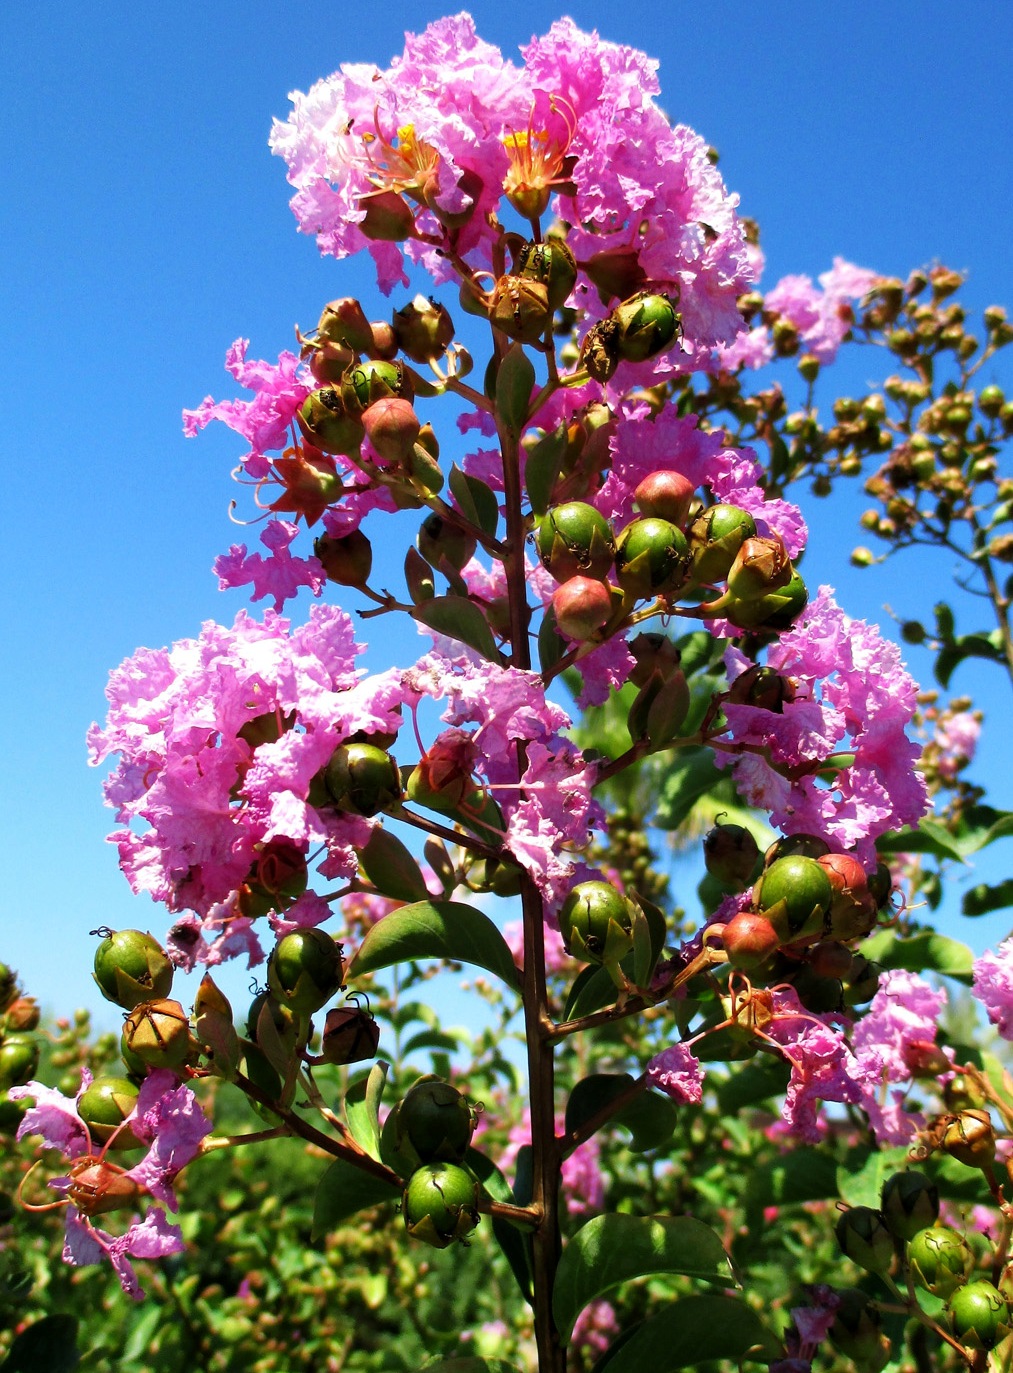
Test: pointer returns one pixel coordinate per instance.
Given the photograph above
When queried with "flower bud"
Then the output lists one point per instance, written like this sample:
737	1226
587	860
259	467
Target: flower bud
749	940
392	427
647	324
282	1019
441	540
652	556
19	1060
424	329
158	1033
435	1119
325	422
795	894
665	495
499	876
575	540
616	272
714	539
305	970
362	778
991	399
659	709
775	611
796	846
440	1204
373	380
979	1315
277	878
22	1014
551	263
863	1237
760	566
8	986
970	1139
444	776
596	922
384	346
856	1331
831	959
350	1035
654	653
731	854
97	1187
909	1203
862	980
520	308
852	909
347	559
387	218
581	606
131	967
343	323
761	686
104	1106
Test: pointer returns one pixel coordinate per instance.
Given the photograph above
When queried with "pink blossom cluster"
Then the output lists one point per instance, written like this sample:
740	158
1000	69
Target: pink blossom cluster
168	1119
993	986
851	697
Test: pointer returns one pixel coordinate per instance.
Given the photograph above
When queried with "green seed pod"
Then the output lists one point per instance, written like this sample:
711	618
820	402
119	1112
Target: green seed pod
857	1333
424	329
520	308
647	324
305	970
991	399
760	566
12	1113
775	611
862	981
435	1119
387	217
979	1315
350	1035
8	986
343	322
763	686
285	1024
131	967
795	894
347	558
104	1106
940	1260
575	540
440	1204
714	539
659	709
796	846
909	1202
862	1235
596	922
441	540
19	1059
654	654
551	263
370	381
362	779
158	1033
277	878
652	556
492	875
325	422
731	854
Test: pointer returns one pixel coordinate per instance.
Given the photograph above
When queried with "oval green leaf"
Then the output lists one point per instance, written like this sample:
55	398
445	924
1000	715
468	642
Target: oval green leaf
447	930
925	952
612	1249
458	618
50	1344
690	1331
342	1191
391	868
362	1108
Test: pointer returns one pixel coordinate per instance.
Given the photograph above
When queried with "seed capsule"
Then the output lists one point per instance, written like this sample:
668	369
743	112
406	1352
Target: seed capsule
596	922
362	778
434	1118
440	1204
794	894
131	967
305	970
575	540
158	1033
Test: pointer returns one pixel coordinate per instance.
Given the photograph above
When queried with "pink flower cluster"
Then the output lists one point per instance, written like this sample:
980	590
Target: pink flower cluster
993	986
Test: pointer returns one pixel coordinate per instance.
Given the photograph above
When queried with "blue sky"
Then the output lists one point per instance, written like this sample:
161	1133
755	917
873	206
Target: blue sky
146	226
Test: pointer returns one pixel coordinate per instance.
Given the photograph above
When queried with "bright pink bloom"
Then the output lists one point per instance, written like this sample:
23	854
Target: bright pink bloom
956	738
822	1066
822	317
993	986
279	575
902	1019
676	1071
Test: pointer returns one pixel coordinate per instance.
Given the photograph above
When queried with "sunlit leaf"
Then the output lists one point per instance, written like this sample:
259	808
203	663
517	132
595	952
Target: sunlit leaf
447	930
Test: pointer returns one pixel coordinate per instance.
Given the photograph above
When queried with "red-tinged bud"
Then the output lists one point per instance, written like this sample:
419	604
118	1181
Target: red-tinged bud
582	605
362	779
761	686
714	539
760	566
654	653
444	775
853	910
131	967
435	1120
387	218
350	1035
647	324
440	1204
599	351
519	308
374	380
795	894
392	427
749	940
19	1060
970	1138
104	1106
22	1014
329	362
158	1033
344	323
979	1315
346	558
325	422
596	922
305	970
575	540
909	1202
97	1187
831	959
652	556
552	264
616	272
441	541
277	878
384	347
665	495
732	855
424	329
863	1236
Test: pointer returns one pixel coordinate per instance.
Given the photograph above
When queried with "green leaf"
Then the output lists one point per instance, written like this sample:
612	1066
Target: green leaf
391	868
551	644
691	1330
763	1077
691	774
650	931
925	952
981	898
592	989
981	826
929	837
861	1182
780	462
469	1363
342	1191
476	501
459	619
649	1117
447	930
542	468
46	1346
957	651
518	1250
515	381
362	1108
803	1175
613	1249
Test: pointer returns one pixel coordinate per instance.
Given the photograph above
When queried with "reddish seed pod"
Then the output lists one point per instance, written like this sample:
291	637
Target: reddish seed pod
582	605
666	496
749	940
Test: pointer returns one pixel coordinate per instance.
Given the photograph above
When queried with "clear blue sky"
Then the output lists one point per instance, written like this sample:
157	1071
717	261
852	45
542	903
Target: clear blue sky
146	226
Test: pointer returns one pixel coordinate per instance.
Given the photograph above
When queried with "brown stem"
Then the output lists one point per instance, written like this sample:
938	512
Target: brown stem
594	1123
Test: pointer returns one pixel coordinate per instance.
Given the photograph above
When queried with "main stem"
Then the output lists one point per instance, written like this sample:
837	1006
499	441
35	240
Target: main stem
537	1022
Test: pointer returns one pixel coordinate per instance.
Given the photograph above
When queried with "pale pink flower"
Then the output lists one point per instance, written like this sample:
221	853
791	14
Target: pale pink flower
993	986
901	1021
677	1072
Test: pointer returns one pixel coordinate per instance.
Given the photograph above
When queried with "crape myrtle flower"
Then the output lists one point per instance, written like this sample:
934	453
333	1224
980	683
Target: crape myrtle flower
167	1118
677	1072
993	986
810	1327
852	696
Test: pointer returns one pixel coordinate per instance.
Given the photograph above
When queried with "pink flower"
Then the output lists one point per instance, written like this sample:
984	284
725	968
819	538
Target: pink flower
902	1019
822	317
956	738
676	1071
595	1328
279	575
993	986
822	1066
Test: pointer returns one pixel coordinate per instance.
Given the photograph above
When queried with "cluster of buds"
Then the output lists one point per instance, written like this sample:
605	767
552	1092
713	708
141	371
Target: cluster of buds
429	1133
904	1239
19	1047
523	302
